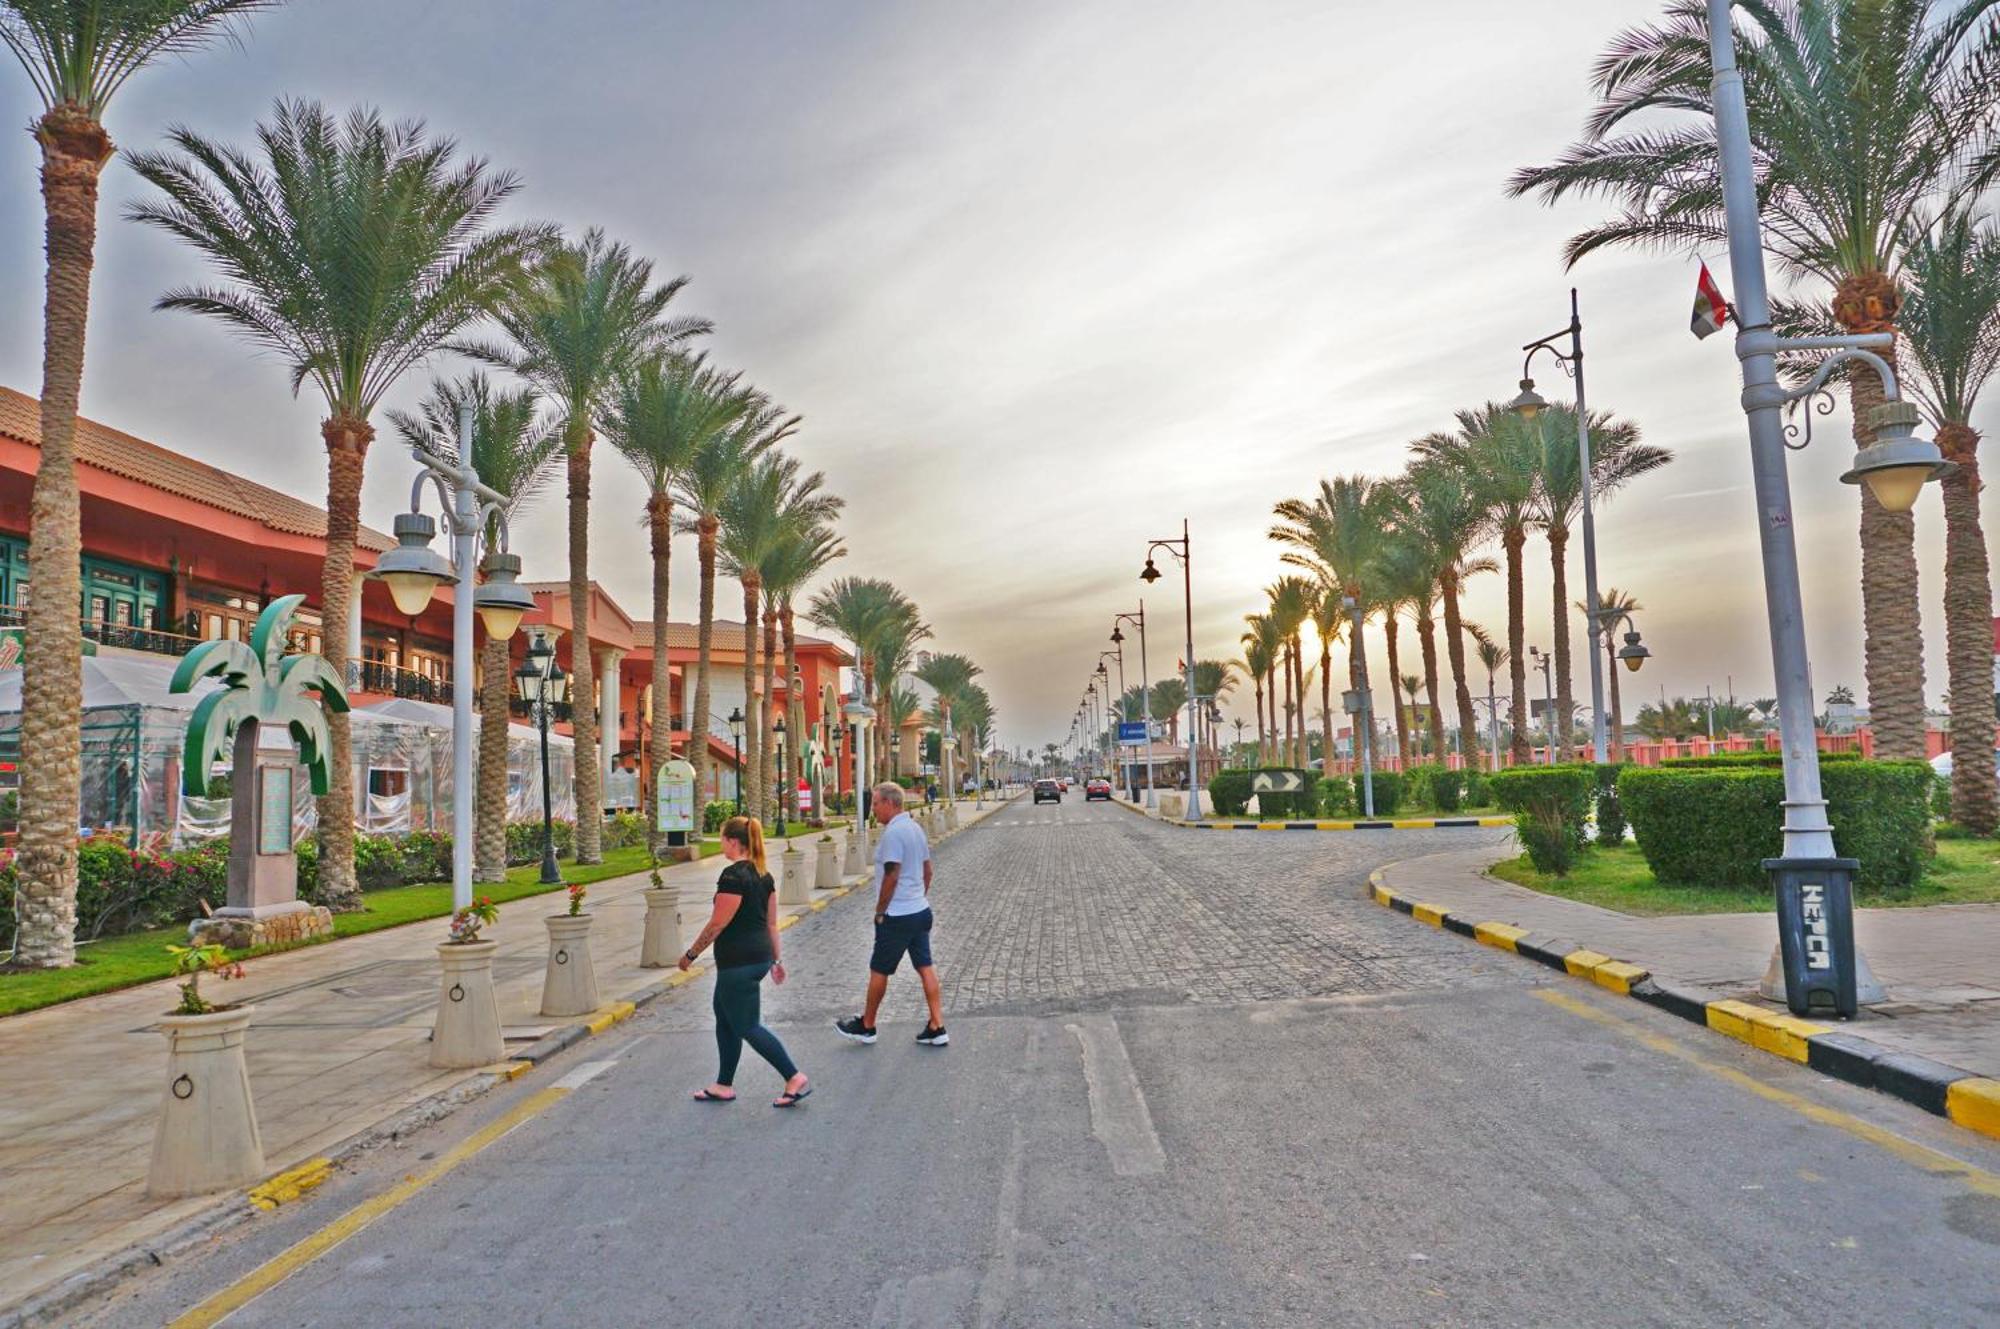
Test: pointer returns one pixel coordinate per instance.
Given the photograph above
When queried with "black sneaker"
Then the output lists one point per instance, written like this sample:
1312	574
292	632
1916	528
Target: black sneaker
934	1038
852	1028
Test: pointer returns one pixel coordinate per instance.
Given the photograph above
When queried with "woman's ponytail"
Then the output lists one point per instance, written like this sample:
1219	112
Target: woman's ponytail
749	833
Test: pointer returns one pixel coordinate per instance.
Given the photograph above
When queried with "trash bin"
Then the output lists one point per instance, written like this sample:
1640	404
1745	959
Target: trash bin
1816	933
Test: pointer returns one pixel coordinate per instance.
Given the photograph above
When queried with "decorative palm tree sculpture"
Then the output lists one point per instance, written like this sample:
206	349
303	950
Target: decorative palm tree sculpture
262	686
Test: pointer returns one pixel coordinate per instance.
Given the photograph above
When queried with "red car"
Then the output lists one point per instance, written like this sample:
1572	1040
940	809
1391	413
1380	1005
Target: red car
1099	788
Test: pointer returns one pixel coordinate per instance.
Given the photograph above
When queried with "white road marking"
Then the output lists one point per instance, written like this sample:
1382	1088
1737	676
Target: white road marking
584	1074
1118	1114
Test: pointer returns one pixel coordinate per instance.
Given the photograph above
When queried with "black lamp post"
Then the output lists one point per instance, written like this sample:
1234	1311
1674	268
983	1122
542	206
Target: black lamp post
736	738
543	685
778	733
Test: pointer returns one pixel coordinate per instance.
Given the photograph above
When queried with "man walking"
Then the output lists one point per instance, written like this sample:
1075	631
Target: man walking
902	919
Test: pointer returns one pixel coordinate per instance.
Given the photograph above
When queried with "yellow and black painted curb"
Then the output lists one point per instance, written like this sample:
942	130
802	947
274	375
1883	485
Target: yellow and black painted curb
1379	824
1971	1101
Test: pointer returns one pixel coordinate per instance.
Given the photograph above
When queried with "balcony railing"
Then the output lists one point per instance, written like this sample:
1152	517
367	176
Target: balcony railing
522	710
397	682
125	636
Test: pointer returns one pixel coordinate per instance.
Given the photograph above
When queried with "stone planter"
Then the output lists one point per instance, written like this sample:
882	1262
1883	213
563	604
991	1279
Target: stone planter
569	986
207	1137
826	867
856	862
794	883
660	947
1171	806
466	1032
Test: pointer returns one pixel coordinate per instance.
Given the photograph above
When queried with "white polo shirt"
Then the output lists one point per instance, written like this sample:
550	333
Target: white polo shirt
902	842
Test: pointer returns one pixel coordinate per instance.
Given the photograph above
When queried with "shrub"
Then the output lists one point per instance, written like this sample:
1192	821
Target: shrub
714	813
624	830
1941	798
1229	792
1610	813
1436	787
1714	826
1336	795
524	840
1736	760
1389	788
1478	789
426	856
1551	807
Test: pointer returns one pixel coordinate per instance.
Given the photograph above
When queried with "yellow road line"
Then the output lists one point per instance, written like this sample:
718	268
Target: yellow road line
294	1258
1921	1157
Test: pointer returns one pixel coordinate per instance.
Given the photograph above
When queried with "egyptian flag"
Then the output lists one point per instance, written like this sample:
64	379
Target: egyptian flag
1711	311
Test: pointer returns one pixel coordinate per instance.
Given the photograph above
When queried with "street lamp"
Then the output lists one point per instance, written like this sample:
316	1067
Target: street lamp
859	713
1542	661
778	734
1183	550
413	571
1893	468
541	683
1359	704
1118	738
1529	405
735	723
1145	686
1633	653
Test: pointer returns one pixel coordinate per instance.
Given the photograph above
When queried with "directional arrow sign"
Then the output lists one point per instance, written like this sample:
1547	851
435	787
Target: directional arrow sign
1277	782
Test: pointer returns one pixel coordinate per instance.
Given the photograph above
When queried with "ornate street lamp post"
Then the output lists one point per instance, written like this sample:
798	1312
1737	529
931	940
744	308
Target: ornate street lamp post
1145	687
541	683
735	723
1183	550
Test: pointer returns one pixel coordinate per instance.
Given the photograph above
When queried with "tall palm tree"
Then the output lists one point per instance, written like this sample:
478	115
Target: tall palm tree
707	479
1216	679
883	625
514	452
352	251
1259	652
1445	510
1407	580
805	547
1617	457
1291	604
950	677
1169	701
895	653
1862	114
77	57
1494	657
1951	323
663	410
1326	620
1336	534
590	313
1614	602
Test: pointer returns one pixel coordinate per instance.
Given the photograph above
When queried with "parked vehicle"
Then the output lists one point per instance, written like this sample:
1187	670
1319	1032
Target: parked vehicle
1048	791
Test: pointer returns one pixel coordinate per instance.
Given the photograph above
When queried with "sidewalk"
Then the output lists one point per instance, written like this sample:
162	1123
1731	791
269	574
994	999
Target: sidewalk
340	1042
1940	965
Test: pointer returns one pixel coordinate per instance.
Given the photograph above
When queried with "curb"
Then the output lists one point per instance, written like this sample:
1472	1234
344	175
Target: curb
1392	824
1968	1100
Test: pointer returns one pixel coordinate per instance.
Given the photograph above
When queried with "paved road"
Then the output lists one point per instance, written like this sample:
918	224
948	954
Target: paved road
1195	1080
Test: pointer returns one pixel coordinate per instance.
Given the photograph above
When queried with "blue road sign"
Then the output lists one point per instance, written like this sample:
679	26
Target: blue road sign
1132	731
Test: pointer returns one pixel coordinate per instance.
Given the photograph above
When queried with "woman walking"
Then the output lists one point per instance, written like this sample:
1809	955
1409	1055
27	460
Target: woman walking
744	929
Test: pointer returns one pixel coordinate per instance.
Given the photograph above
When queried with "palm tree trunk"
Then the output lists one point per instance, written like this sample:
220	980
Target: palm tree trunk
1454	644
1396	693
1291	703
1968	623
1427	637
1565	696
1891	616
1271	691
74	150
489	839
660	522
582	668
1511	541
1617	707
705	533
347	443
1257	686
767	716
1326	702
753	725
795	712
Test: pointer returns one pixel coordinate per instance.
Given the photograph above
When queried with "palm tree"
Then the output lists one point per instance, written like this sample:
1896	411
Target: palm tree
1215	679
1503	452
1494	657
514	452
1291	603
1326	620
1951	323
895	652
589	316
805	547
1445	509
706	481
949	676
884	627
1862	113
1336	533
1407	578
1169	700
354	250
1617	457
1613	603
663	410
1259	652
77	56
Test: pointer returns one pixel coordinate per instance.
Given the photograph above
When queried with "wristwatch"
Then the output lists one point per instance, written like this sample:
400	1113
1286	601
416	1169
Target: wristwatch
879	918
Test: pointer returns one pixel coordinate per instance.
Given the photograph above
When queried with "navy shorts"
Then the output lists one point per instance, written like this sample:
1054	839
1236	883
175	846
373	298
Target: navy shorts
899	933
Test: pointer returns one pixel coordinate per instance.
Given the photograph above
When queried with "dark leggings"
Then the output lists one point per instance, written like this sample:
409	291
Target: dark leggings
738	998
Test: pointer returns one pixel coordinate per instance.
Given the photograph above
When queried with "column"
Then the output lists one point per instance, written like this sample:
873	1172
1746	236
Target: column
354	631
608	703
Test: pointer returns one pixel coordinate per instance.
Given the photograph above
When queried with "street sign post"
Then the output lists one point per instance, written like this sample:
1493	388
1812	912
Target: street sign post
1132	731
1277	782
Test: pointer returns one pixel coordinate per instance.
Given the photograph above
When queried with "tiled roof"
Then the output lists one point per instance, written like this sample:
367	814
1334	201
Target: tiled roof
728	636
135	459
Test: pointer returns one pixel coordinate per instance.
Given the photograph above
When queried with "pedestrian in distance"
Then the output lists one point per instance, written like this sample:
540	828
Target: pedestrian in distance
902	919
744	931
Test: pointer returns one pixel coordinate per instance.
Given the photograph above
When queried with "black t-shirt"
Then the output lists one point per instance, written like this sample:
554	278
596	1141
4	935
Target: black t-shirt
747	937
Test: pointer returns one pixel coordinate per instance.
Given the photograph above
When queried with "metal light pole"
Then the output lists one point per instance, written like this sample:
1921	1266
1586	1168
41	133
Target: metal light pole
778	737
543	685
1543	662
1183	550
1145	689
1529	405
1363	709
1894	467
735	723
413	572
859	713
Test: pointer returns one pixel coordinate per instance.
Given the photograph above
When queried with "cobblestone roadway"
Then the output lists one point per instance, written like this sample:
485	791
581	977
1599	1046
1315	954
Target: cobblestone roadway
1068	906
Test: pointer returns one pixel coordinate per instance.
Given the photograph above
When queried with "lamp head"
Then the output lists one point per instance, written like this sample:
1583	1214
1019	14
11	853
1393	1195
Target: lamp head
1149	574
735	720
1529	403
556	691
540	650
1117	634
413	570
501	600
1896	465
528	680
1633	653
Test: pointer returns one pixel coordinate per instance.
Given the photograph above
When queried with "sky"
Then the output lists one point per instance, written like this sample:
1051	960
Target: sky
1043	278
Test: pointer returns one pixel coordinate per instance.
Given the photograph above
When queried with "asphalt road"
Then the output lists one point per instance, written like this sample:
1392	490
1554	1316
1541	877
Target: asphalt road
1195	1079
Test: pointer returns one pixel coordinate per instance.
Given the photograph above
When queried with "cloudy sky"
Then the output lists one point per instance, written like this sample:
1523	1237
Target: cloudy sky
1044	278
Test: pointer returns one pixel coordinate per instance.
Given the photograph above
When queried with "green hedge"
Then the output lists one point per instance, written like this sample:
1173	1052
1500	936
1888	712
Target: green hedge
1714	826
1551	807
1389	790
1229	792
1738	760
1336	796
1478	789
1610	812
1436	788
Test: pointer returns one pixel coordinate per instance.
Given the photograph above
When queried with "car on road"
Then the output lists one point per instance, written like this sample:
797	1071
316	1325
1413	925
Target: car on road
1048	791
1099	788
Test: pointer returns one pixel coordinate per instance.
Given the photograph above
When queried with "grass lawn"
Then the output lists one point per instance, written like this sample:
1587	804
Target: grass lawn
1964	872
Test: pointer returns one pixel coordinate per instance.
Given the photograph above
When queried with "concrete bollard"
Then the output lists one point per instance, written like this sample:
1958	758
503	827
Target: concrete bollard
826	867
569	985
466	1032
207	1136
794	886
661	944
853	864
